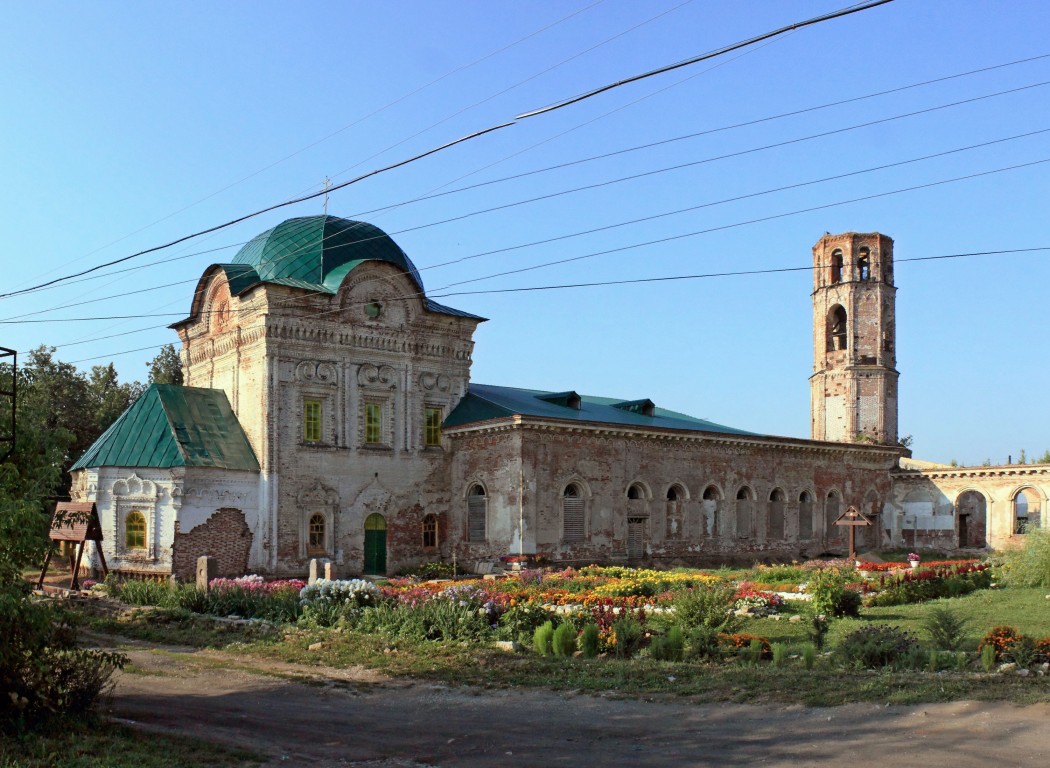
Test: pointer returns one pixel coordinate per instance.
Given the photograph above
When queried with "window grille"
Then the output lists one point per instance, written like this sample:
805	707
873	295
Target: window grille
572	515
311	421
476	511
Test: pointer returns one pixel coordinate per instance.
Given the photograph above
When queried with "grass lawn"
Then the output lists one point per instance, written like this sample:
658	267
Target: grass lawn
115	746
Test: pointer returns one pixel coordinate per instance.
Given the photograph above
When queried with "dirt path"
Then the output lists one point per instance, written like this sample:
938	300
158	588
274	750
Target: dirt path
359	717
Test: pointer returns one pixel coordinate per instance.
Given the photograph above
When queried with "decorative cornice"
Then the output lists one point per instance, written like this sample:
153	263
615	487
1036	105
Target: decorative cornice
961	473
511	423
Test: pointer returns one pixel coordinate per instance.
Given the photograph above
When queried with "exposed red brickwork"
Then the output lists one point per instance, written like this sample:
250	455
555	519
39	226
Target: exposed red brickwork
225	536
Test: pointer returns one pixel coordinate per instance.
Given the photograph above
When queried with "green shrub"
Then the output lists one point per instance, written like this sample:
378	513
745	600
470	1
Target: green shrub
780	654
876	645
704	643
670	647
751	653
628	634
1022	652
830	594
809	655
945	628
43	675
520	621
563	642
543	639
988	657
709	607
818	631
590	641
1029	564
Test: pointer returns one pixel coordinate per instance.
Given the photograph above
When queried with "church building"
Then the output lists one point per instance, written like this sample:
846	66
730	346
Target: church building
328	412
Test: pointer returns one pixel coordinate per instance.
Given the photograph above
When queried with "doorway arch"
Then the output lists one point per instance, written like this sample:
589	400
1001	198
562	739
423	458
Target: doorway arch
375	544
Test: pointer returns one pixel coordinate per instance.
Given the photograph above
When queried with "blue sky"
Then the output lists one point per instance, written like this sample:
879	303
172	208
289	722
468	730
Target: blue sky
126	125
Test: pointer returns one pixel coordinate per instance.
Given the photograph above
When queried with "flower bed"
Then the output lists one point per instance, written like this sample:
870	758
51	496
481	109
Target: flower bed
900	566
929	583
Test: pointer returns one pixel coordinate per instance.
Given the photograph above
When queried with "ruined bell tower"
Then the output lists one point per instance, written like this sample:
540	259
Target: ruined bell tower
853	389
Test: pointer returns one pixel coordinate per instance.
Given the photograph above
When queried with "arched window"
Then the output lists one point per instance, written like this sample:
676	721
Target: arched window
805	516
775	518
711	500
744	516
831	510
836	267
430	531
477	512
135	531
635	491
315	538
573	526
864	265
675	521
1026	511
836	328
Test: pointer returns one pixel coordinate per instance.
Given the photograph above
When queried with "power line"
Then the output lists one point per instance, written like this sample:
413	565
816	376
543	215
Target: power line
769	118
667	278
705	132
630	222
239	219
736	273
342	129
750	221
694	163
703	57
437	293
476	134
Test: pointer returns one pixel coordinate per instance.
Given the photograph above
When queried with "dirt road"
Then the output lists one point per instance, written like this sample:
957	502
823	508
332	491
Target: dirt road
360	718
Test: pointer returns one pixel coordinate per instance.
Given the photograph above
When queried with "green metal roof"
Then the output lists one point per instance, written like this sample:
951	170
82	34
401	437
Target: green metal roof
484	402
312	248
314	253
172	426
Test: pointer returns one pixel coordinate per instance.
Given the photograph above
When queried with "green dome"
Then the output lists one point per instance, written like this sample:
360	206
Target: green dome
320	251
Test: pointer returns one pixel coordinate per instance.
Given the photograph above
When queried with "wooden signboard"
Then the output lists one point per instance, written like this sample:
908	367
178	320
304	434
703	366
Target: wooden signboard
77	522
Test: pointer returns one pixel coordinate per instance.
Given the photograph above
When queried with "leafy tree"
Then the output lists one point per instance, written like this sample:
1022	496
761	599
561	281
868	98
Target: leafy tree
1045	458
42	673
57	400
166	367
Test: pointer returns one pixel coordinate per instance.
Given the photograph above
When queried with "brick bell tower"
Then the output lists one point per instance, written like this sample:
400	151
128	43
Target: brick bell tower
853	389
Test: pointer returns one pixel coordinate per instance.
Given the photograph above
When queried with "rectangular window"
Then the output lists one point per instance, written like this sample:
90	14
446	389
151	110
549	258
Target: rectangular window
432	420
373	424
311	421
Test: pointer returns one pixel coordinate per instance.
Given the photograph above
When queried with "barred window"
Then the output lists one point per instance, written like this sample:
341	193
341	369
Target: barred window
311	421
430	531
477	507
572	514
135	531
432	422
315	535
373	423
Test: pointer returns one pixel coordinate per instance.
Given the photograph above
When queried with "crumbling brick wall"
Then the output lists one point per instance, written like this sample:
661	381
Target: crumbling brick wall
224	536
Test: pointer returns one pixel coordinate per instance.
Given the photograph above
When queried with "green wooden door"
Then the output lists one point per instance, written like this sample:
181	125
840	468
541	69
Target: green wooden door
375	544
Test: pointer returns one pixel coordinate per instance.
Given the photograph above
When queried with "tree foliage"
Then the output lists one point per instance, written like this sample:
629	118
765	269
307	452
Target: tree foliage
59	413
166	367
